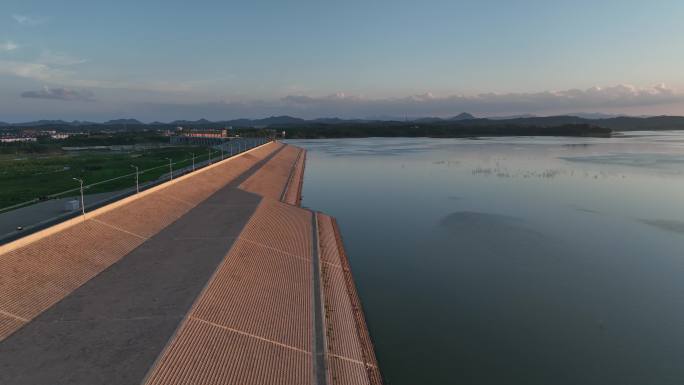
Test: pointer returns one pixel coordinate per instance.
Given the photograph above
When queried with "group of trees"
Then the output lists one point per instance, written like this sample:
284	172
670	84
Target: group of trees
450	130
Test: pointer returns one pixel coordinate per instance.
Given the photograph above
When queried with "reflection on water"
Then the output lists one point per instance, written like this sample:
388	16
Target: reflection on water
585	210
467	221
663	161
513	260
674	226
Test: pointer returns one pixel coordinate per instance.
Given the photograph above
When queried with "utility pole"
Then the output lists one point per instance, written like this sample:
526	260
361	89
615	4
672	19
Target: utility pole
170	168
137	186
82	201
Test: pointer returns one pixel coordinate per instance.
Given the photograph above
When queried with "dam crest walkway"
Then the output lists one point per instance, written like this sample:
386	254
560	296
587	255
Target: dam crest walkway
216	277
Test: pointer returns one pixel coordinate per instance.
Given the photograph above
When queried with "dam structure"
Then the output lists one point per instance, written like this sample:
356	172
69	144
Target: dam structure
215	277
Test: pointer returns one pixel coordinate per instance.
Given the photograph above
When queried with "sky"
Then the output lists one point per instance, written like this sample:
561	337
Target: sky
167	60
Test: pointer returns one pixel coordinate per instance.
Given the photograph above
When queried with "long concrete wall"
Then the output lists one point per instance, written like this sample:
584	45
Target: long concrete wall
293	194
351	357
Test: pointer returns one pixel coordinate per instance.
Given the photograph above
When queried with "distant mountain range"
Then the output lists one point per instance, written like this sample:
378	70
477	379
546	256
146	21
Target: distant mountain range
265	122
124	121
134	122
618	123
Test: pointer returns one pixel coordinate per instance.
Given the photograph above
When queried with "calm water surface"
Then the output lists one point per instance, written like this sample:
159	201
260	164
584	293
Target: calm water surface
513	260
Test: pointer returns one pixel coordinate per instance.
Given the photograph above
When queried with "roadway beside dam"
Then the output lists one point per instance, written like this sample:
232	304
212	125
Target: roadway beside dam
217	277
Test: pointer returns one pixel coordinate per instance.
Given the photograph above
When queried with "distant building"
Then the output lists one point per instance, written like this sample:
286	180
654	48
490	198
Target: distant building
32	135
202	137
60	135
12	139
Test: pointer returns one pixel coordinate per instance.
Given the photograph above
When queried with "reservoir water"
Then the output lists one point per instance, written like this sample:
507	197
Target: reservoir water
513	260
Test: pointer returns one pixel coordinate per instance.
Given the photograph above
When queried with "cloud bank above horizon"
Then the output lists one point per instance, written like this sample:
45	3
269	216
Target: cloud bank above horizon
489	104
619	99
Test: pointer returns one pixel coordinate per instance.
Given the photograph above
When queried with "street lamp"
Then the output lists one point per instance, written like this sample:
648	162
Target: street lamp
137	186
193	161
82	203
170	168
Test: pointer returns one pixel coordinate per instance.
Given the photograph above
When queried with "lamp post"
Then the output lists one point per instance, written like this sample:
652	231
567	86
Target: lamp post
137	186
170	168
193	161
82	202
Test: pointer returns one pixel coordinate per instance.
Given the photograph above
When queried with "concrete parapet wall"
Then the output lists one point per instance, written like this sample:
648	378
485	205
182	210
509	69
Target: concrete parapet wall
351	357
293	192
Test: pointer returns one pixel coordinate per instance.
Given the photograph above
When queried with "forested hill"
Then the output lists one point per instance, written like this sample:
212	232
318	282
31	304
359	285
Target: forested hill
435	130
460	125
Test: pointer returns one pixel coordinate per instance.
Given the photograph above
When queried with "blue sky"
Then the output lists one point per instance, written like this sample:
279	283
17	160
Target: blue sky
165	60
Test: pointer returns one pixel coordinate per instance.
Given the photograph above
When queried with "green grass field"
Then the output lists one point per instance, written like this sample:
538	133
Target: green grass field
24	177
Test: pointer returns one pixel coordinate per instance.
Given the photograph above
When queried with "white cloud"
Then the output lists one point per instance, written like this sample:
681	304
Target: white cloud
55	69
59	94
8	46
58	58
35	71
28	20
